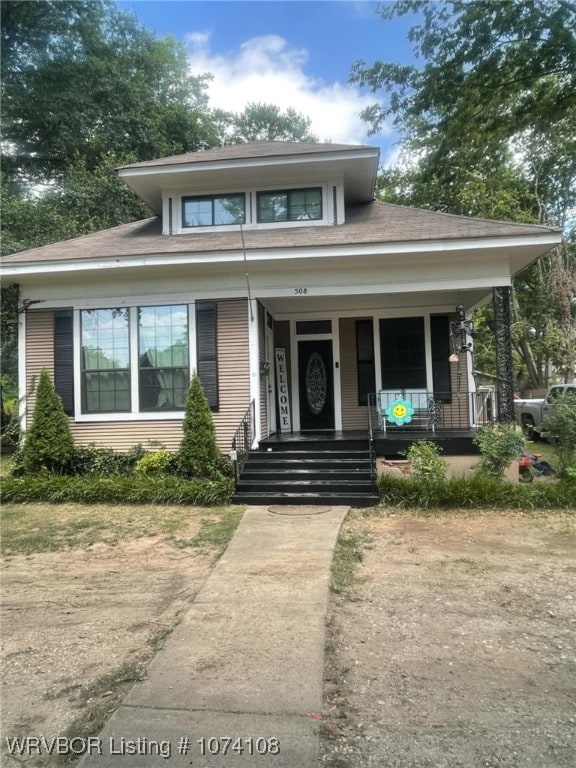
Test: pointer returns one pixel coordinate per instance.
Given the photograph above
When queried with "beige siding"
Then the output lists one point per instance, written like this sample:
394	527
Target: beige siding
354	416
234	385
456	415
39	352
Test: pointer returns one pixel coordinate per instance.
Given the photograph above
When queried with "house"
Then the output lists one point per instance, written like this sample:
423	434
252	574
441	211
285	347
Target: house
270	269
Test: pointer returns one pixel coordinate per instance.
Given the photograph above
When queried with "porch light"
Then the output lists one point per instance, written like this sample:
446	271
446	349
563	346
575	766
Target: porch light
454	357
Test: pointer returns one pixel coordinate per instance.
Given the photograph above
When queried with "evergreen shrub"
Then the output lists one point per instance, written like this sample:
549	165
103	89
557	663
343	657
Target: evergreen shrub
198	454
48	444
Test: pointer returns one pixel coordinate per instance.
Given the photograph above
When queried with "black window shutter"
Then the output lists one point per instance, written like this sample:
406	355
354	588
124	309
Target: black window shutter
64	359
365	360
207	350
440	338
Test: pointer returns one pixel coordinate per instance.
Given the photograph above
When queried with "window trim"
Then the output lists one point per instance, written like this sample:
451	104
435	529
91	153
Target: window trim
134	414
212	198
288	192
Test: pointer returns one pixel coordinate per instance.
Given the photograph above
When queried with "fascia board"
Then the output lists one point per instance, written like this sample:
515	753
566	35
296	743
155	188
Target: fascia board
545	242
256	162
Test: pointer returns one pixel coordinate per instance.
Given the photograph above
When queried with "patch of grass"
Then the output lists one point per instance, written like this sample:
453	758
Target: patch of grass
216	530
31	528
347	557
100	700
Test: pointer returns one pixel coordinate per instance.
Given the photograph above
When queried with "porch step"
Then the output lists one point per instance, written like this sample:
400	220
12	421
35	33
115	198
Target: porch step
309	499
304	473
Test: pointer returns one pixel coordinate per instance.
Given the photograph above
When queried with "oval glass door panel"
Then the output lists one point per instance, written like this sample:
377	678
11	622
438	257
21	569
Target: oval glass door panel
316	383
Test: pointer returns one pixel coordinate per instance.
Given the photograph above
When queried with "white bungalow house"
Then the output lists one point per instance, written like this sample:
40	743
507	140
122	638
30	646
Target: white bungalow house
300	300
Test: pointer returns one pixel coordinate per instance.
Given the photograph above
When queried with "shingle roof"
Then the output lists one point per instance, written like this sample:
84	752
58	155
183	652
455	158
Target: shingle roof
250	150
372	223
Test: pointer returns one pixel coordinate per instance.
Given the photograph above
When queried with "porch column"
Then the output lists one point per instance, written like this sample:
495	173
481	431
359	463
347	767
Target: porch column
254	352
504	366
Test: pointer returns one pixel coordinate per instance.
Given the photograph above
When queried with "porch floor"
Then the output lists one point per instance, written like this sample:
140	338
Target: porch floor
452	442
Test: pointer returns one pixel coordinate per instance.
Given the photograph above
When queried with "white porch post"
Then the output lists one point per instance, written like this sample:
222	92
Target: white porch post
22	371
254	366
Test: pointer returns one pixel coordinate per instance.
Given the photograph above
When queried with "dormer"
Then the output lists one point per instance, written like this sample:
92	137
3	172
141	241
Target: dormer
261	185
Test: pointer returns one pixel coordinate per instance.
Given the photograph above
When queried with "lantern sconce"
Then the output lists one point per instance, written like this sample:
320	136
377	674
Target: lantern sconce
265	368
459	330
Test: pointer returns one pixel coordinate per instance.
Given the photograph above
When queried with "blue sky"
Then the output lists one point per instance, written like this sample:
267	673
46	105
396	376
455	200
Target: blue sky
290	53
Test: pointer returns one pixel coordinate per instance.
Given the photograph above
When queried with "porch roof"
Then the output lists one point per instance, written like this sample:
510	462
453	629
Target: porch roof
368	224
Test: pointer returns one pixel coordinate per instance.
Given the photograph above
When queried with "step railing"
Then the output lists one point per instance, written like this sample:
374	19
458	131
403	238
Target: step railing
372	421
243	440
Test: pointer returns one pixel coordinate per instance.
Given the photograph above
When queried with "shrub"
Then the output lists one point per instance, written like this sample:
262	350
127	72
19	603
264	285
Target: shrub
156	463
499	445
48	444
198	452
479	491
115	490
90	460
425	461
560	429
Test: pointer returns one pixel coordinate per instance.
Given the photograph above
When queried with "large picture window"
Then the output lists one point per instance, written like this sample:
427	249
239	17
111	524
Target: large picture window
290	205
403	353
105	337
163	354
213	210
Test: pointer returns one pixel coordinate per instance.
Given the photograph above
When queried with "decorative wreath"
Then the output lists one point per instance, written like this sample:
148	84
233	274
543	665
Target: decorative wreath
400	411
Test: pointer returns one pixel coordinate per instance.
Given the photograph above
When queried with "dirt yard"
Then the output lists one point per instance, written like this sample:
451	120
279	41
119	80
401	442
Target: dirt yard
78	624
458	649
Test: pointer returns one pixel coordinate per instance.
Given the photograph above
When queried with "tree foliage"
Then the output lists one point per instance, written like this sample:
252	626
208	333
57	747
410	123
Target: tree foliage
488	122
267	122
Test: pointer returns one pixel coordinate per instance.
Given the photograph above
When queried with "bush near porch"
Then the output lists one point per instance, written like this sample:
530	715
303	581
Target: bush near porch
43	471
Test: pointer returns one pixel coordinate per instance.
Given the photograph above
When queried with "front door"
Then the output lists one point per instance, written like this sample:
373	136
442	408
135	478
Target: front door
316	384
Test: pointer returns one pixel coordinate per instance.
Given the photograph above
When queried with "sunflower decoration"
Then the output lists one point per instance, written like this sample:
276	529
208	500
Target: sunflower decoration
400	411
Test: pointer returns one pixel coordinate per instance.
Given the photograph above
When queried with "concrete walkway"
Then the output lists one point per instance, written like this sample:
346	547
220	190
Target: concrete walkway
242	673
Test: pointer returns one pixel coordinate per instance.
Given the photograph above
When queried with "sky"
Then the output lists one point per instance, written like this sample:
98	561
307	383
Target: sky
292	53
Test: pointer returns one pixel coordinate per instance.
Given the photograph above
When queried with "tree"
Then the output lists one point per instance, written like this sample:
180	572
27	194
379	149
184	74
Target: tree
198	451
83	81
266	122
490	117
48	444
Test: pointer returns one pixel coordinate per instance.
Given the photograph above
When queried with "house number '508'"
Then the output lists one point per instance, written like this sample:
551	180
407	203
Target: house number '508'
300	291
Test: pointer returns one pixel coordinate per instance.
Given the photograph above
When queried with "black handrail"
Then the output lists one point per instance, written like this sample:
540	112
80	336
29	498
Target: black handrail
242	440
371	447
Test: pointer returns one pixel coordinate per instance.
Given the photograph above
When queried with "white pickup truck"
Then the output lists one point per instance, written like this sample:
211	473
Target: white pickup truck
531	413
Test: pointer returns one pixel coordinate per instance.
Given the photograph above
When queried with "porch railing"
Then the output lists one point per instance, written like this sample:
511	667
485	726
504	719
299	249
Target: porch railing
371	422
423	410
242	440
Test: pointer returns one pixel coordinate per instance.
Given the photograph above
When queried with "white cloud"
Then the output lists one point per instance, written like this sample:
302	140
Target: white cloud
266	69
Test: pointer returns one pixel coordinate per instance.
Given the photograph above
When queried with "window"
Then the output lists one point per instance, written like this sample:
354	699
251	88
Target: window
365	360
213	210
105	360
403	353
290	205
163	354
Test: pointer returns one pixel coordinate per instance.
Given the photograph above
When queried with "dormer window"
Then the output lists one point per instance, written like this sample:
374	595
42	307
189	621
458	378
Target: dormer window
290	205
213	210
